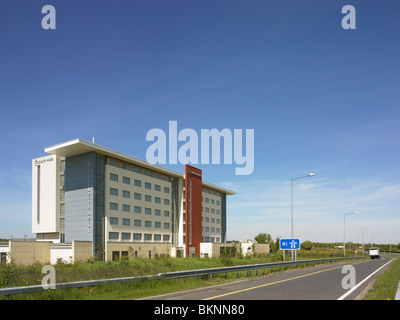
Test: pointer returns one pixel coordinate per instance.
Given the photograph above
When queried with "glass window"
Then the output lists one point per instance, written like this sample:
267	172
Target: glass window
113	177
137	223
126	222
113	206
126	180
113	191
138	196
126	194
113	235
114	162
166	190
147	224
166	237
126	166
157	200
157	212
126	207
147	210
138	183
147	198
166	225
125	236
147	172
166	213
147	185
137	209
157	237
147	236
166	202
113	220
157	187
157	224
137	236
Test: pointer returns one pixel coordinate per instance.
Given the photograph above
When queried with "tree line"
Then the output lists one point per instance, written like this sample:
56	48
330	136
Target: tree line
308	245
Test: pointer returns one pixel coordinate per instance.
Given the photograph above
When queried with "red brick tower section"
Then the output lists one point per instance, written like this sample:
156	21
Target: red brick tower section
193	204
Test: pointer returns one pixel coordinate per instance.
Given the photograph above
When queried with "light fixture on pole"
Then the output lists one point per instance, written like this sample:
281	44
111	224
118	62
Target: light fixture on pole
344	231
362	237
291	200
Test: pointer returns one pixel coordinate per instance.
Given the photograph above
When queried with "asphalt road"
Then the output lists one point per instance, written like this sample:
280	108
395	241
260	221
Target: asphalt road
321	282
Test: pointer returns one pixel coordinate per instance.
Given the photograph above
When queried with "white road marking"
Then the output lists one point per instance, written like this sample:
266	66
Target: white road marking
355	287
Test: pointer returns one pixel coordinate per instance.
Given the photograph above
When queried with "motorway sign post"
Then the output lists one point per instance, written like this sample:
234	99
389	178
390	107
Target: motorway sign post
289	244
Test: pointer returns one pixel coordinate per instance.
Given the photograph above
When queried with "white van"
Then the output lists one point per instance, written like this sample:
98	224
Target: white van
374	253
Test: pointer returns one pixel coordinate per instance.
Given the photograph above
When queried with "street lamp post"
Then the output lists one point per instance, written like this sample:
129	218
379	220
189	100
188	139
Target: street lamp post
362	237
291	198
344	231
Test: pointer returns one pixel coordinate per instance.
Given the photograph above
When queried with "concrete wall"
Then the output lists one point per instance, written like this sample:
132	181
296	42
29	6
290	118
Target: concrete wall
261	248
140	250
29	252
82	250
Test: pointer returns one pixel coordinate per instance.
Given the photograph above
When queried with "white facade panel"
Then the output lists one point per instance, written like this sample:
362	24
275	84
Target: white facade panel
45	194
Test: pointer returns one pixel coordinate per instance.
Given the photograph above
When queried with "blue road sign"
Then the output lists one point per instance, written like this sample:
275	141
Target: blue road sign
289	244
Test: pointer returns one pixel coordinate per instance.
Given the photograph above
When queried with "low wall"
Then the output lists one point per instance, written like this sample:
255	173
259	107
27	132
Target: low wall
140	250
30	252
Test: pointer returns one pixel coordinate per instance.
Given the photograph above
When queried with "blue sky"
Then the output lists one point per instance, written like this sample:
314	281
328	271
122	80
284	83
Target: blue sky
320	98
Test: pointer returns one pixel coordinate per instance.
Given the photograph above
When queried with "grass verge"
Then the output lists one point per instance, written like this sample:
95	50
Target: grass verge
386	284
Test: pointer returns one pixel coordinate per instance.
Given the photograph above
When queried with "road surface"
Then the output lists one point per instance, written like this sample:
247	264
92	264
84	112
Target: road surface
321	282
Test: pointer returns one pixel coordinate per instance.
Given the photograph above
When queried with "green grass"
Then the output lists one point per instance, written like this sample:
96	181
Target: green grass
386	284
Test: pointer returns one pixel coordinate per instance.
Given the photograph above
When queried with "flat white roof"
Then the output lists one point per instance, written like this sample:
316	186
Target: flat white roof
79	146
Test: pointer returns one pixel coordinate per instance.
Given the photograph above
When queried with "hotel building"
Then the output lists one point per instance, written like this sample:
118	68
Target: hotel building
123	205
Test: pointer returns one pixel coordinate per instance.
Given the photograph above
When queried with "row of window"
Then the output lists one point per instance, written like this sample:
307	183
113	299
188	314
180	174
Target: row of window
127	166
212	220
207	210
138	183
211	239
137	236
212	201
208	229
138	196
138	223
216	193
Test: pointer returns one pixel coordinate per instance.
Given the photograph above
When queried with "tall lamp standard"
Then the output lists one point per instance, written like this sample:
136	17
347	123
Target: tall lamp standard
344	231
291	200
362	237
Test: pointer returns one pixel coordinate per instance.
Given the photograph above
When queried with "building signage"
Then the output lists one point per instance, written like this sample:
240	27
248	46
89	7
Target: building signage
41	161
89	206
195	173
